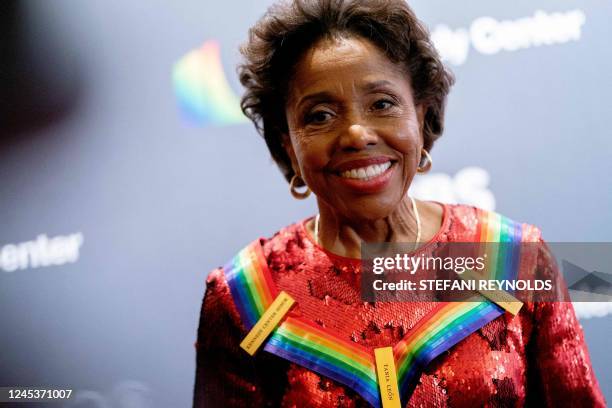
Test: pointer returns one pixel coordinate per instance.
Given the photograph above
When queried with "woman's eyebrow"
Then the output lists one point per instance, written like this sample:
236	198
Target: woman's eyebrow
371	86
314	97
327	96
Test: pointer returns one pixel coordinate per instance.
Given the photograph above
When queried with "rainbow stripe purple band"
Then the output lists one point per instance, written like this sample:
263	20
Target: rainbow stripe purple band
351	364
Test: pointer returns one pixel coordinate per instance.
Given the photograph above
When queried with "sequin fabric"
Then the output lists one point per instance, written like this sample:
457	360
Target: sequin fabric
537	358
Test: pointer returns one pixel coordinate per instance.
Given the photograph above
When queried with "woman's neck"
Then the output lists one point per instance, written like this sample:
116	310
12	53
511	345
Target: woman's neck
344	237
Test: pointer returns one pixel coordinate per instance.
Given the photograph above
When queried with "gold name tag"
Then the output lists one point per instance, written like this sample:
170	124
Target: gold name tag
387	377
502	298
268	322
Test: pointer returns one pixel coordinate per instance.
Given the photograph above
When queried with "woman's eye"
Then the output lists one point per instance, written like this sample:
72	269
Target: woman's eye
382	104
318	117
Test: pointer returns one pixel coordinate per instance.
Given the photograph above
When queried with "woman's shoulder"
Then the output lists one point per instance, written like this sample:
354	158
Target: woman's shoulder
290	237
286	239
465	219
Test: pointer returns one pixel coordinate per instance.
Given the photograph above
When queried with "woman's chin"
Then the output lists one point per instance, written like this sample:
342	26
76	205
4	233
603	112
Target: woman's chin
370	208
367	199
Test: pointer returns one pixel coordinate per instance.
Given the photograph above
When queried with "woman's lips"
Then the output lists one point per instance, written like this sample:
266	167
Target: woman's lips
372	176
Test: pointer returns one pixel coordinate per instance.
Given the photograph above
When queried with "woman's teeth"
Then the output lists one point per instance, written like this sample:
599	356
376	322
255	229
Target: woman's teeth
364	173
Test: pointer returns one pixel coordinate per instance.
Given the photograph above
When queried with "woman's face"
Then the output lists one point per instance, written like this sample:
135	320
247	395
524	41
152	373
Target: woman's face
355	134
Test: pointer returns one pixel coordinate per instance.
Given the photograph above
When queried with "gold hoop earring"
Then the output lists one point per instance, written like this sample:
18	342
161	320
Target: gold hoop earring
427	167
300	195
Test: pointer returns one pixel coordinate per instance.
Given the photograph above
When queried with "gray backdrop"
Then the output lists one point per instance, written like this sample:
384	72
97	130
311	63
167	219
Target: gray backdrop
116	205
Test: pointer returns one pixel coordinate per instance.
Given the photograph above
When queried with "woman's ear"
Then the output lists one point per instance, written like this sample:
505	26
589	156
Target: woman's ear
288	146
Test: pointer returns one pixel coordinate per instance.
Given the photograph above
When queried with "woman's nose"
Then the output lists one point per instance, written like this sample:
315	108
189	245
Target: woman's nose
358	137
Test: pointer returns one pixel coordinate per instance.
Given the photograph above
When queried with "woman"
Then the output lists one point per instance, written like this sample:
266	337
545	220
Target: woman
349	96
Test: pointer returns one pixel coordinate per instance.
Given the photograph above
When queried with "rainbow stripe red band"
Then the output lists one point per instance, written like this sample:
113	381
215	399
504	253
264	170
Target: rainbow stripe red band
352	364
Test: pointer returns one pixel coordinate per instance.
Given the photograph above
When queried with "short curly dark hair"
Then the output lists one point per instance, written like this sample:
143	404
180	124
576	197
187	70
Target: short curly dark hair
288	30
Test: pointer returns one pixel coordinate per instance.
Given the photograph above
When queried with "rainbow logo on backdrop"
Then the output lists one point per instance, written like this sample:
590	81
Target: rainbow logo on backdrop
202	90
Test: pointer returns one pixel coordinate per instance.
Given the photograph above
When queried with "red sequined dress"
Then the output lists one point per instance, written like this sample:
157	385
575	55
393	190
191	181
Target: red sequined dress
537	358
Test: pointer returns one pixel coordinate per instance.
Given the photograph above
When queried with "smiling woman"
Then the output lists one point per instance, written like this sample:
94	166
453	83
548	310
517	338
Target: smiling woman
350	114
349	97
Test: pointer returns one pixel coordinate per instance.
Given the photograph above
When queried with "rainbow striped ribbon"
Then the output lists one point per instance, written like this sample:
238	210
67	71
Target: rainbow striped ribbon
352	364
